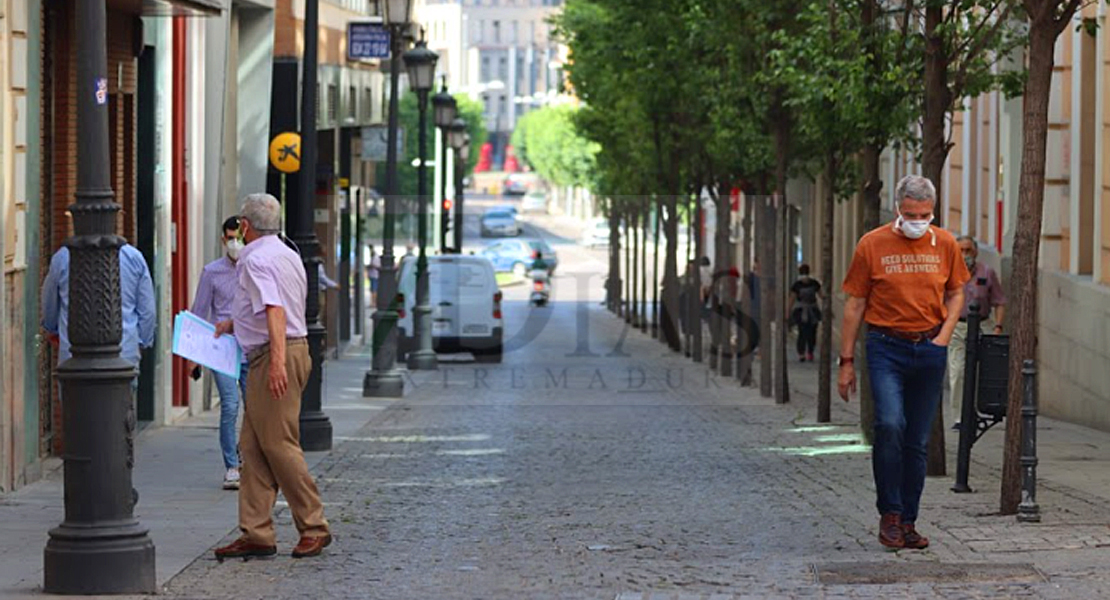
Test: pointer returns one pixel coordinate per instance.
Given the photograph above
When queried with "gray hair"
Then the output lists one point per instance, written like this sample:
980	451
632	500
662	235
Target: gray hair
263	211
915	187
968	238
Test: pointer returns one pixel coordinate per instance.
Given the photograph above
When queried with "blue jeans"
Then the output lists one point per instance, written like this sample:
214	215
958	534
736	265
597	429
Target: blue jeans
906	382
230	391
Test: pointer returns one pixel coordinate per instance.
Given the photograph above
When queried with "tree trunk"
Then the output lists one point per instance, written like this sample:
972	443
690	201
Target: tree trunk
723	282
824	368
655	277
765	237
1022	314
938	101
634	252
669	310
782	258
614	282
695	293
744	360
872	201
628	266
644	221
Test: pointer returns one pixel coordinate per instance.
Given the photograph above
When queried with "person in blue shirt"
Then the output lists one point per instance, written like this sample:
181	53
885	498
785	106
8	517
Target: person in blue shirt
136	301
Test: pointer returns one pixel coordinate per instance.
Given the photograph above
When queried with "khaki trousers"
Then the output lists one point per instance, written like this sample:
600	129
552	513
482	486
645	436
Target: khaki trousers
271	452
957	360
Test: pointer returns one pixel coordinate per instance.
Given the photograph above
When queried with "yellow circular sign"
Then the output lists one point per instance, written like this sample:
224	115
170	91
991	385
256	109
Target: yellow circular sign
285	152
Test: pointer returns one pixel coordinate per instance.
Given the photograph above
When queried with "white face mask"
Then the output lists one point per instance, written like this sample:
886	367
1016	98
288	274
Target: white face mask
913	229
234	246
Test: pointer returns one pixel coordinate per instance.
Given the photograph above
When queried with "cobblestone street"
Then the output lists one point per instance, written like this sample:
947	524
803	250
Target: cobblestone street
625	471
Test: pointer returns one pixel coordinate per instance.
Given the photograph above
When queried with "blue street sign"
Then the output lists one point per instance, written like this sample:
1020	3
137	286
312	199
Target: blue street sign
367	40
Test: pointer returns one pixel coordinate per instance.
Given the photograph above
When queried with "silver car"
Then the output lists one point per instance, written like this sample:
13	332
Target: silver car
499	223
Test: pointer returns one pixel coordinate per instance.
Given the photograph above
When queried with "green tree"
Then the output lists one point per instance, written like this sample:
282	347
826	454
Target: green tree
470	111
549	141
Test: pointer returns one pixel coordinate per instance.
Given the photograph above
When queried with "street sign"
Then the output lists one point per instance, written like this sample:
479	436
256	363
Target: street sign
375	141
367	40
285	152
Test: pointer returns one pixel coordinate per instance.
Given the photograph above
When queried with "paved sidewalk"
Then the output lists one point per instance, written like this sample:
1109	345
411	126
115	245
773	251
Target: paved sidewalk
178	473
632	473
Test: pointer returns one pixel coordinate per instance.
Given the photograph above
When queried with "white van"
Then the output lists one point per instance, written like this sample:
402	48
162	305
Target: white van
466	307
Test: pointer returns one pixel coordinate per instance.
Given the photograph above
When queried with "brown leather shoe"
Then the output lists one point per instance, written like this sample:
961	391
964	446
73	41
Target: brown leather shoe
890	531
913	539
244	549
311	546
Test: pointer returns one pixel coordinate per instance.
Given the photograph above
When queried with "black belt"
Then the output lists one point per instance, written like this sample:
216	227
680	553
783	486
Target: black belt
911	336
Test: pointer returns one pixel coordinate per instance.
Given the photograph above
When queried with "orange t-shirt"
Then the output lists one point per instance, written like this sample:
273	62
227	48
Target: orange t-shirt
904	280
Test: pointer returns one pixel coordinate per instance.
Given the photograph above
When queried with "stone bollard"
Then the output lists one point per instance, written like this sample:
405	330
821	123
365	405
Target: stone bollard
1028	511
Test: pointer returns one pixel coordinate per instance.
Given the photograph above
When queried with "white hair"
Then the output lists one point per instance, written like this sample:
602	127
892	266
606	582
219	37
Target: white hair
263	211
915	187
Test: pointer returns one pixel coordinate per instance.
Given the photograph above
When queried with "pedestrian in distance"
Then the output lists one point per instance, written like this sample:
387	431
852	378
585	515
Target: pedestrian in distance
213	300
984	289
906	281
136	304
268	320
804	312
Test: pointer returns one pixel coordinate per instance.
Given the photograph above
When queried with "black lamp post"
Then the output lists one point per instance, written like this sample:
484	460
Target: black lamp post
383	380
460	141
445	108
100	548
315	428
421	65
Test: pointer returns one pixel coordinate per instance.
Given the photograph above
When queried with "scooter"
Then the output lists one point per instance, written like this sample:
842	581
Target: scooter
541	287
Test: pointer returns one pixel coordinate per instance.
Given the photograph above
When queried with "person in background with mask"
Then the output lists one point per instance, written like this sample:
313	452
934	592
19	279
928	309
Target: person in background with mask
984	289
906	281
212	303
804	312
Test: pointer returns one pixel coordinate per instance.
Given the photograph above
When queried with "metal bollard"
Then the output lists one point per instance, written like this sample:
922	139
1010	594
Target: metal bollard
1028	510
968	413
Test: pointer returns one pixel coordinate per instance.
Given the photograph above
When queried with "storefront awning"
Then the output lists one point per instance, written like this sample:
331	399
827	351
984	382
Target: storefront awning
182	8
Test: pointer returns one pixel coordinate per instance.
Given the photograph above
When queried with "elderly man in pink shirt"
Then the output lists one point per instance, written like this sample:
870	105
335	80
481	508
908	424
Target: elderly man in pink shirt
268	320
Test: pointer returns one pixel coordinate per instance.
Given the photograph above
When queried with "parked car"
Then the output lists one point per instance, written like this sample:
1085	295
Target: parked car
596	233
516	184
509	208
466	307
534	201
516	256
499	222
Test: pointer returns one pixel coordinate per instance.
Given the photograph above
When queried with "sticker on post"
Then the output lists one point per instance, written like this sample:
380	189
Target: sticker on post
101	90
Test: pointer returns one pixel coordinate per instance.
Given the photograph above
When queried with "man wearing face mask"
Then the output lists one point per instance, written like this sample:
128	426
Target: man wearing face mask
984	289
212	303
906	281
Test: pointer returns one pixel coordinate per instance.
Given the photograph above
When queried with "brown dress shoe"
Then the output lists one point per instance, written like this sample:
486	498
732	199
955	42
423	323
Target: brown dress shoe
311	546
241	548
890	531
913	539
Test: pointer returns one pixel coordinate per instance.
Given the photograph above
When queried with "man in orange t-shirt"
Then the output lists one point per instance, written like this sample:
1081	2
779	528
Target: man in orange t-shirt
906	282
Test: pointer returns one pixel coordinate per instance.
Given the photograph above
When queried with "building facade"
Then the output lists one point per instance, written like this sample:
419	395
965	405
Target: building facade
502	52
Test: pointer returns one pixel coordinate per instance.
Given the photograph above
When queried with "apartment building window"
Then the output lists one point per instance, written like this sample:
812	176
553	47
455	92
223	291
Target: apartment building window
352	103
367	104
333	102
497	32
514	32
503	69
483	75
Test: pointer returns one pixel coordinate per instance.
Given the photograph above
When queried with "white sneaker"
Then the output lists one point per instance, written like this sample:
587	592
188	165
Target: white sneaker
231	479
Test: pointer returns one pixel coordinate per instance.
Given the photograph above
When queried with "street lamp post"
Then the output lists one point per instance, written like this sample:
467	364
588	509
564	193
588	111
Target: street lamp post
383	380
421	64
445	109
459	140
100	548
315	427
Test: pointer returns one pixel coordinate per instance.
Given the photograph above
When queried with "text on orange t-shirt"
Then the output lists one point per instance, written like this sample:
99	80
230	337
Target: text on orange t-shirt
904	280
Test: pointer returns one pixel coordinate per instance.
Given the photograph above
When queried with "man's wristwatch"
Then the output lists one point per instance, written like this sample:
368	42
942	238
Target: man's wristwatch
845	360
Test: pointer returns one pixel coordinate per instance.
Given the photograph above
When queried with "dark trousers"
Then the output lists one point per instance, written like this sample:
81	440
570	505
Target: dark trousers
807	338
906	381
